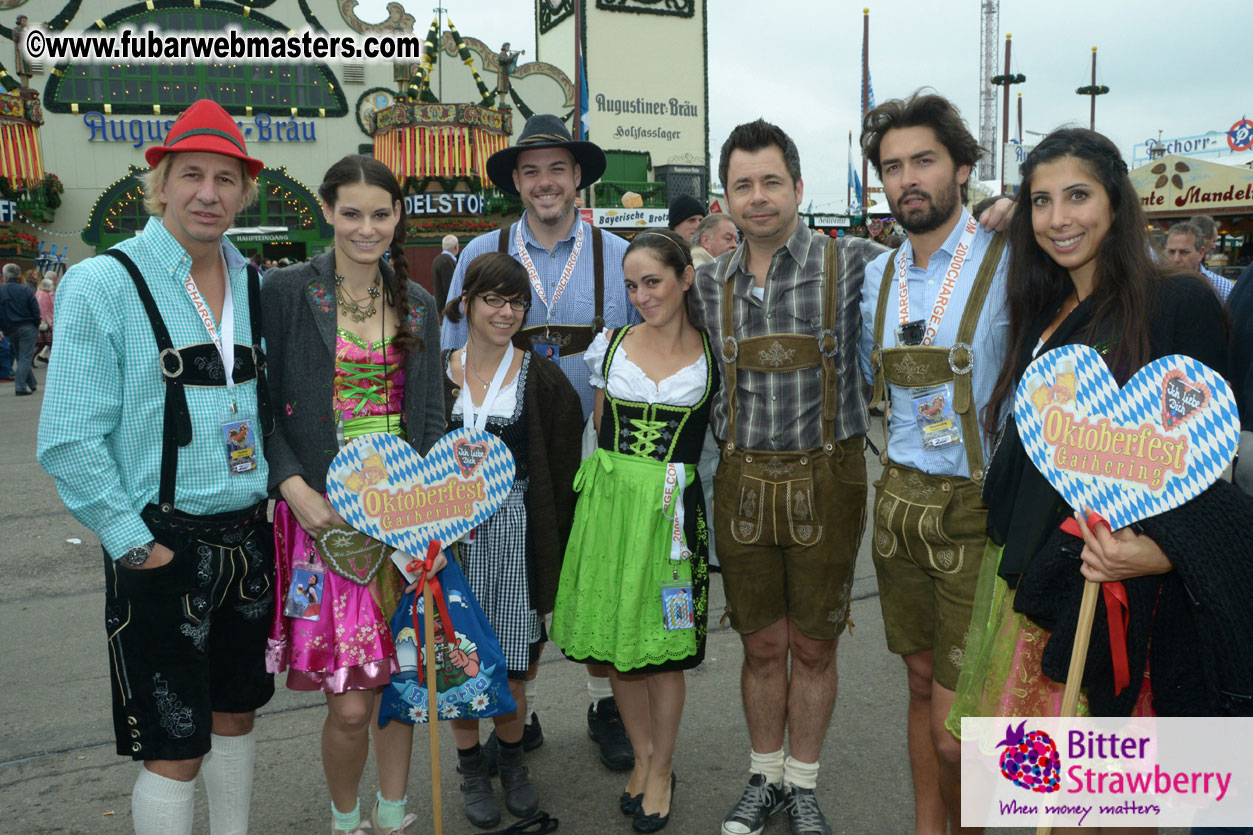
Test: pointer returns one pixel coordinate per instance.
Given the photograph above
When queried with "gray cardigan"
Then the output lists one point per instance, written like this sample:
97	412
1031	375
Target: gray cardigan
299	321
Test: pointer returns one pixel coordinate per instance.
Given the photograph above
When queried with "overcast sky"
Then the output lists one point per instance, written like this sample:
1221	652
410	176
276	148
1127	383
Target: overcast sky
1180	69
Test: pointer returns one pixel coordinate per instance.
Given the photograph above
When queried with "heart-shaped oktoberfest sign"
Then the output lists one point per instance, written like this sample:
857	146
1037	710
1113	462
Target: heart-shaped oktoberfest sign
385	489
1127	453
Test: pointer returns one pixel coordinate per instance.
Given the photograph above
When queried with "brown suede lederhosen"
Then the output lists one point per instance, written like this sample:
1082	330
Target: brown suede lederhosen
929	529
789	522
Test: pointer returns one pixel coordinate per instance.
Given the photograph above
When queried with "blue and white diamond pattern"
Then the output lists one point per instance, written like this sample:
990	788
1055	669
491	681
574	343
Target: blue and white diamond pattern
1213	431
407	469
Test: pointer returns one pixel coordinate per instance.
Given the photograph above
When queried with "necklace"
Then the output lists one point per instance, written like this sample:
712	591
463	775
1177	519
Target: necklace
353	308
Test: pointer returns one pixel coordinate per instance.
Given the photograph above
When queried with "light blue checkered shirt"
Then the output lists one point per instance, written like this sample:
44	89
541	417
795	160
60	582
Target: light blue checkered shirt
1222	286
991	341
577	305
100	429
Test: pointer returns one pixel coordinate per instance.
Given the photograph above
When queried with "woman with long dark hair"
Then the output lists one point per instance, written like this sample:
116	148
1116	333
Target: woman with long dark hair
634	586
353	349
1080	272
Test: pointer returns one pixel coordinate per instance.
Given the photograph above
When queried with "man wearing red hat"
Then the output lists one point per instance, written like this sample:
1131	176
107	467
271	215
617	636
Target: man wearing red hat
156	375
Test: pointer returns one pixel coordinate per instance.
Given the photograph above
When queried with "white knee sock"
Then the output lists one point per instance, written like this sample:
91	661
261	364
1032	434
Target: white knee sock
227	773
161	806
800	775
598	688
532	698
768	765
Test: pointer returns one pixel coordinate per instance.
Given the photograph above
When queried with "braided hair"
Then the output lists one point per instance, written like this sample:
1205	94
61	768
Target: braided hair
357	168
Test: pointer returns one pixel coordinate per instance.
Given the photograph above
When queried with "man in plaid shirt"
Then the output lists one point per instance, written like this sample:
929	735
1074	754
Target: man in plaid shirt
790	493
151	426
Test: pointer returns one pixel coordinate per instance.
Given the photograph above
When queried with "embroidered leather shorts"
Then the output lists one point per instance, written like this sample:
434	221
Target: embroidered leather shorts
929	533
788	526
188	638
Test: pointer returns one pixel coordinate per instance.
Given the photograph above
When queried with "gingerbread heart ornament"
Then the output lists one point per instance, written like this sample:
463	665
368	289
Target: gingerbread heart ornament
386	490
351	554
1127	453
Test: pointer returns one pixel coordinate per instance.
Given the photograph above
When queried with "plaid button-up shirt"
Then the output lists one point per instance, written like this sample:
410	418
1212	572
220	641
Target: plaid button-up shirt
783	410
100	428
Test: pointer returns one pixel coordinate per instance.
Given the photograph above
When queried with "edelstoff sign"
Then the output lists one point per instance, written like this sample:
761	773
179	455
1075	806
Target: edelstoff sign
456	203
1179	185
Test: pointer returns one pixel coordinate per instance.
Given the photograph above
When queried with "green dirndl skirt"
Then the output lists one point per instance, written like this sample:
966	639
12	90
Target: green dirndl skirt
609	606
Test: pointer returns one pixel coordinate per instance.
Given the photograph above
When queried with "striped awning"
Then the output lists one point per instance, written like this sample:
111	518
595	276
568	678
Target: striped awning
21	160
444	151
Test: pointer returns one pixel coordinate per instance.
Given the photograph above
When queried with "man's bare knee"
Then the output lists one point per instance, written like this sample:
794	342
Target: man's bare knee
918	671
816	655
767	647
947	747
184	771
233	724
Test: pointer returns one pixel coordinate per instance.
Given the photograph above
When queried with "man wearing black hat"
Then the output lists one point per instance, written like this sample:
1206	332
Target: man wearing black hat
577	290
686	213
156	376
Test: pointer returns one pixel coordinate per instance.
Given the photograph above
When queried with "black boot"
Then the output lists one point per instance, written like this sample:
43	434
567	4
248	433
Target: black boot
476	788
604	725
520	797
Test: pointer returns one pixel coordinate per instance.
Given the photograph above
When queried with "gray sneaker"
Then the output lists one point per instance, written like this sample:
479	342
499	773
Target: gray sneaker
803	813
759	801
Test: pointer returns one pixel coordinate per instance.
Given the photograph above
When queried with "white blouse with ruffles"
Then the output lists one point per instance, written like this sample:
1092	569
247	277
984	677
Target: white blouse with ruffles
684	387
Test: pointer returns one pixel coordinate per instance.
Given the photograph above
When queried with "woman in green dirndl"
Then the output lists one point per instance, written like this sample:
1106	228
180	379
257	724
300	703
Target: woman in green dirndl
634	583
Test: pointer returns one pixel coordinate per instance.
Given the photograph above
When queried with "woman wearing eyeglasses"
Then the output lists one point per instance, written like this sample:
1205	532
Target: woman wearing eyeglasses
513	560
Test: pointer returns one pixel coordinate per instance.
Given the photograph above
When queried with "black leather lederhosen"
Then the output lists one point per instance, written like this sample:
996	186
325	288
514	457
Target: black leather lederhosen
572	339
197	365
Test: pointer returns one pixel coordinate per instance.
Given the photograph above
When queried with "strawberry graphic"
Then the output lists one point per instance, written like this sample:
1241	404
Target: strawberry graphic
1030	760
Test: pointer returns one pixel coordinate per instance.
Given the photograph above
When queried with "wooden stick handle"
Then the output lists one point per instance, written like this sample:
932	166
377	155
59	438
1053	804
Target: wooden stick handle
1079	654
1078	659
432	706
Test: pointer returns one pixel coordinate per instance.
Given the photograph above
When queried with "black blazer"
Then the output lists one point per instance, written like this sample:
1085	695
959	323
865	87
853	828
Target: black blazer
299	324
441	278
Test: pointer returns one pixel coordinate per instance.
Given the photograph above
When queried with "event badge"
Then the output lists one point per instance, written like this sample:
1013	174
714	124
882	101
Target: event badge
241	446
677	605
933	410
546	347
304	595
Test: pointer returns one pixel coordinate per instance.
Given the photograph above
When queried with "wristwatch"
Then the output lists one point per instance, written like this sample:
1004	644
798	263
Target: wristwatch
138	555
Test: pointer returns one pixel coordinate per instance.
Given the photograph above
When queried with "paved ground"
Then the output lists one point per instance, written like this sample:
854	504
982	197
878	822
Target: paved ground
59	774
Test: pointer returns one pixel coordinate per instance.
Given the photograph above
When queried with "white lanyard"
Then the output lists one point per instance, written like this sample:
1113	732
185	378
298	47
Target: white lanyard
225	342
468	417
533	274
960	255
672	507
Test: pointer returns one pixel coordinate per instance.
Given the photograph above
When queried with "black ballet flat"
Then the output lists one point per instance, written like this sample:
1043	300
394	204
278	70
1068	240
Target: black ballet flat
654	822
629	803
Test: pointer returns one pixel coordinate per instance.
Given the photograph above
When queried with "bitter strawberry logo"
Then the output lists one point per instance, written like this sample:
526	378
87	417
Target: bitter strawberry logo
1030	760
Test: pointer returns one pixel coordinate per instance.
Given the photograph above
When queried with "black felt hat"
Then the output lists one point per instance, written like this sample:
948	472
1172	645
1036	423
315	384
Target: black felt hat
545	131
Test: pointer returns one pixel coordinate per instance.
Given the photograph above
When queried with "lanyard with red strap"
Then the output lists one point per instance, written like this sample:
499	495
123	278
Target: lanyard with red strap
421	568
1117	610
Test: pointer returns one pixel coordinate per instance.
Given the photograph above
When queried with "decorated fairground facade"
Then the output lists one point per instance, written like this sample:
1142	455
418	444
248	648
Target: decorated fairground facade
298	117
73	133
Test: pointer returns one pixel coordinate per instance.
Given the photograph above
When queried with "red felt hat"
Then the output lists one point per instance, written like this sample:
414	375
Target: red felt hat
205	127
